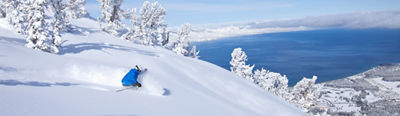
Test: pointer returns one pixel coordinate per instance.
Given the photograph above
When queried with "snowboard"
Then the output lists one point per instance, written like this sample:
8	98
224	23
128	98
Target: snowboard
126	88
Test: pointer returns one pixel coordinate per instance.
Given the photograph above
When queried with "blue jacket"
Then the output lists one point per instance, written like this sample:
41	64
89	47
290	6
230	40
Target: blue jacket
130	78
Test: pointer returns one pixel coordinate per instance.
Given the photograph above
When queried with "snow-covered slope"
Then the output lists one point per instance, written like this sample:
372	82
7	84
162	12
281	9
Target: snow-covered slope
82	80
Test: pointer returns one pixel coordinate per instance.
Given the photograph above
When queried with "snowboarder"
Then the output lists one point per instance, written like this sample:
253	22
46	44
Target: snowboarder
130	79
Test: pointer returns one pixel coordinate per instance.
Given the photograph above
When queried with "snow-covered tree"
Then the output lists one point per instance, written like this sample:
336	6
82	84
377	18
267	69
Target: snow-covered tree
76	8
116	10
281	85
149	27
2	12
16	12
38	34
238	65
194	53
152	28
181	46
104	5
111	14
106	10
271	81
259	76
3	9
305	93
8	6
133	31
60	21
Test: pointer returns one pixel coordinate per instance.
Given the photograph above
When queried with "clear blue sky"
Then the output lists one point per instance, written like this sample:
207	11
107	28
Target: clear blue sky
226	11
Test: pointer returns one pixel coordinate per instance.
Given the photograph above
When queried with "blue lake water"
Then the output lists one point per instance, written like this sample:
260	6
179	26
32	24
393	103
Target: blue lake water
329	54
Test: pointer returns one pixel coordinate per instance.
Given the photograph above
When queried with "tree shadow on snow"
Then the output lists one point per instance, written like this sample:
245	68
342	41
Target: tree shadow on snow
166	92
83	31
80	47
12	40
7	69
34	83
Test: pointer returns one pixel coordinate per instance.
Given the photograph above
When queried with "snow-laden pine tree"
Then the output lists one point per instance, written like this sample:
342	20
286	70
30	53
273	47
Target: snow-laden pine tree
116	11
60	21
38	34
104	5
16	12
271	81
8	6
181	46
281	88
238	65
3	10
76	8
194	53
152	28
259	77
111	14
305	93
133	31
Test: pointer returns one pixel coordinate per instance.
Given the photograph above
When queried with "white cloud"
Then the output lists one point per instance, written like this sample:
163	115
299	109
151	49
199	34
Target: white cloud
364	20
208	7
382	19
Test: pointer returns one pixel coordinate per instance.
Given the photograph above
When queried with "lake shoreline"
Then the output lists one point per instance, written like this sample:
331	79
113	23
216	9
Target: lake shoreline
328	53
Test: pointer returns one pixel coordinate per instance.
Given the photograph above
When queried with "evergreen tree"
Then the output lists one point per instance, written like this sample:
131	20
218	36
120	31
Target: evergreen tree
16	12
116	12
104	5
281	84
8	6
3	9
259	77
305	93
194	53
133	31
238	65
76	8
2	12
38	34
271	81
181	47
152	28
149	27
111	15
61	22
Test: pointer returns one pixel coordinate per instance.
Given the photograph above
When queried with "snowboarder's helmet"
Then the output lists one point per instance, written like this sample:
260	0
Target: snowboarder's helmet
137	68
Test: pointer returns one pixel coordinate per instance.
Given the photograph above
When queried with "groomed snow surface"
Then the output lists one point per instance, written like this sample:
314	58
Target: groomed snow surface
82	80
